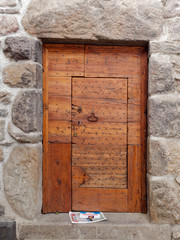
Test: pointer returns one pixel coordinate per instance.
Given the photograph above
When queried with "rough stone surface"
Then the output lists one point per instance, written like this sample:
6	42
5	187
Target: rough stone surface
175	59
1	211
24	137
23	48
1	156
160	75
8	25
167	47
22	180
172	9
118	226
27	111
173	26
163	156
8	3
164	204
5	97
176	233
164	116
7	229
28	75
3	113
92	19
10	10
2	125
178	179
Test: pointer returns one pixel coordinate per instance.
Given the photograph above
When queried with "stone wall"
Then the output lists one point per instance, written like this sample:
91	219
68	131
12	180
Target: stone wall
20	115
22	27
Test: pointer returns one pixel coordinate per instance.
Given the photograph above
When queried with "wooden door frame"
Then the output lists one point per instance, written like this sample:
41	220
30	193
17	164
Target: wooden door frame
132	202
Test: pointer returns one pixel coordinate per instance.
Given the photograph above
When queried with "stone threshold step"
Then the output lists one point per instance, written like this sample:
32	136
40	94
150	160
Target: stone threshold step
119	226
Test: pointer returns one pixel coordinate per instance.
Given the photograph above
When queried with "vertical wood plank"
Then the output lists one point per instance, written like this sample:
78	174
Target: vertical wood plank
58	195
134	178
144	70
45	126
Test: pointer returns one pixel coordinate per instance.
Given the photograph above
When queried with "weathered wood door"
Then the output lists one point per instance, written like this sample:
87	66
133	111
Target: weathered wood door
94	132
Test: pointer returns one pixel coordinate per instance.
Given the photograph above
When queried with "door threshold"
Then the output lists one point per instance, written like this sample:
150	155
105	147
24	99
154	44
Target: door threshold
121	226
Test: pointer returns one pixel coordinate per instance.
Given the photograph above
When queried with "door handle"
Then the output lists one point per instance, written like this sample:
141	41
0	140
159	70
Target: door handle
92	118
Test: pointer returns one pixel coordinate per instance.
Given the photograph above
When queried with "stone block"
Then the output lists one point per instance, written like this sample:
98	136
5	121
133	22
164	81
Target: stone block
164	116
77	19
5	97
163	156
166	47
176	232
23	48
2	125
8	3
1	158
27	111
7	230
173	27
118	226
160	75
172	9
22	137
8	25
3	113
164	204
27	75
22	185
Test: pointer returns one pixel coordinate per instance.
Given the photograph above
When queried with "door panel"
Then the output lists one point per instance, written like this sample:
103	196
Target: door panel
107	131
107	200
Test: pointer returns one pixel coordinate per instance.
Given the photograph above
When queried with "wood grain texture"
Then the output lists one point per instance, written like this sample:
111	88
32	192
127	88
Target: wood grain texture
59	131
67	60
134	133
92	199
45	127
100	88
105	176
111	61
59	108
101	177
99	155
144	74
134	178
59	86
58	187
106	110
100	133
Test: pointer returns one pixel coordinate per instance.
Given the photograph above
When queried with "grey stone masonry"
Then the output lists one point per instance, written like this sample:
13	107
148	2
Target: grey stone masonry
164	204
9	25
8	3
164	116
7	229
27	74
27	111
23	48
22	184
113	20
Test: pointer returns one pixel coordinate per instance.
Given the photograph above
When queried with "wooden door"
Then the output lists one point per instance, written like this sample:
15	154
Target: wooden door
94	132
